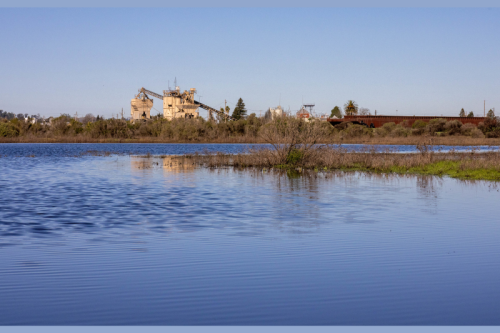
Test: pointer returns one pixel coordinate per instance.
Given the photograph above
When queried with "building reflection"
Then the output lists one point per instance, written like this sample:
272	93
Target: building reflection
170	164
177	164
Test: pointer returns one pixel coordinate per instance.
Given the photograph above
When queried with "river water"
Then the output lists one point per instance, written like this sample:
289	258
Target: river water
120	240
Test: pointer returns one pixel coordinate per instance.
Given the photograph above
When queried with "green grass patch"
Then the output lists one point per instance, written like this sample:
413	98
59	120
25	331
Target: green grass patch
443	168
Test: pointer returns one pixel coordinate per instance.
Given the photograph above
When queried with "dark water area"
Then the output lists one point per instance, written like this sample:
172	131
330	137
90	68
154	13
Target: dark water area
123	240
57	150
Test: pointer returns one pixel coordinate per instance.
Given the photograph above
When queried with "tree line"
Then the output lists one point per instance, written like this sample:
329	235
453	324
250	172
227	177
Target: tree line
351	108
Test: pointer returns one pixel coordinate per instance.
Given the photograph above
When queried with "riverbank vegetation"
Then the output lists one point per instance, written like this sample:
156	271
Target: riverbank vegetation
250	129
470	165
295	147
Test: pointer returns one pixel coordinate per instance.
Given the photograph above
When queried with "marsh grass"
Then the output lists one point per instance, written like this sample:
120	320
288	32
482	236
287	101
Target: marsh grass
471	165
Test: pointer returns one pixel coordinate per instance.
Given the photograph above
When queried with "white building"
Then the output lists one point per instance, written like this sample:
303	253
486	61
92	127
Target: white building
276	112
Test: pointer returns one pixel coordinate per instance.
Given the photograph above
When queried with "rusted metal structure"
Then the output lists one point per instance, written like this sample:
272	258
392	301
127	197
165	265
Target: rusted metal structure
378	121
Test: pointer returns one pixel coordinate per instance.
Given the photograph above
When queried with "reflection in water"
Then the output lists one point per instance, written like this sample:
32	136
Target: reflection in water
151	241
428	189
168	163
101	196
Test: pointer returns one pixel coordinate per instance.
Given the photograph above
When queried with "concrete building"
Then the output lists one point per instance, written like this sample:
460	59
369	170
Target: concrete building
175	105
140	107
276	112
179	105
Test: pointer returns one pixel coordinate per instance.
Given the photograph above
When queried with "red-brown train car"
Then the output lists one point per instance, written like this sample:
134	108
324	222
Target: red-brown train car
378	121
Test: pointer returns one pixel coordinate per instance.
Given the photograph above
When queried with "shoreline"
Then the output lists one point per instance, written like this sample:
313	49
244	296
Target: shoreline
464	166
408	141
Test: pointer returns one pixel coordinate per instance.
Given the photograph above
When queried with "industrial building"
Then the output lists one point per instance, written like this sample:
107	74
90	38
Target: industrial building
276	112
176	104
140	107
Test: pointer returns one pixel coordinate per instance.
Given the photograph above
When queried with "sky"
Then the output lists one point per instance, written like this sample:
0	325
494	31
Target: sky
418	61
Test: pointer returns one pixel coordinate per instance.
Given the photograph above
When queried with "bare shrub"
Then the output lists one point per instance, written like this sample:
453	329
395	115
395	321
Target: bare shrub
342	126
476	133
288	134
453	127
356	131
385	129
89	117
488	125
399	131
417	131
466	129
389	127
419	124
406	124
495	133
435	125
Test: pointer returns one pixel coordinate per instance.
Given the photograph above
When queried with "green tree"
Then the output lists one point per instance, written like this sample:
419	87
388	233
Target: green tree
336	112
239	111
490	114
351	108
462	113
220	117
471	114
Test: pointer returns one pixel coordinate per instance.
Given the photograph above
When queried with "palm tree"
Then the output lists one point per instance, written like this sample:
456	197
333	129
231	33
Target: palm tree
351	108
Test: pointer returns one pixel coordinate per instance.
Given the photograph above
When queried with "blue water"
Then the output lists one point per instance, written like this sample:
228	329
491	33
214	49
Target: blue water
71	150
125	240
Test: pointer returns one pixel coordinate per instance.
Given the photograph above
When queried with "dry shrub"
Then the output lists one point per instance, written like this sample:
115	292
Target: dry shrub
419	124
417	131
399	131
476	133
436	125
488	125
342	126
406	124
466	129
389	127
289	136
495	133
453	127
356	131
385	129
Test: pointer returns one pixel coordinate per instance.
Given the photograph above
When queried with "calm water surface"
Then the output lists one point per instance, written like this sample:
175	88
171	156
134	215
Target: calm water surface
127	240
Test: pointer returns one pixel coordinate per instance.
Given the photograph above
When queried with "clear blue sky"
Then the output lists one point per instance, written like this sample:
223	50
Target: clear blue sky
416	61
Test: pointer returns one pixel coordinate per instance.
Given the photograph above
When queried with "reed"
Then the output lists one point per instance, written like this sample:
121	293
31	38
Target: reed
471	165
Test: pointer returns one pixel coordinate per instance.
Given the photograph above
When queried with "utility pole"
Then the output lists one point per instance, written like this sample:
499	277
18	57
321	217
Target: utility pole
122	113
485	108
225	111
